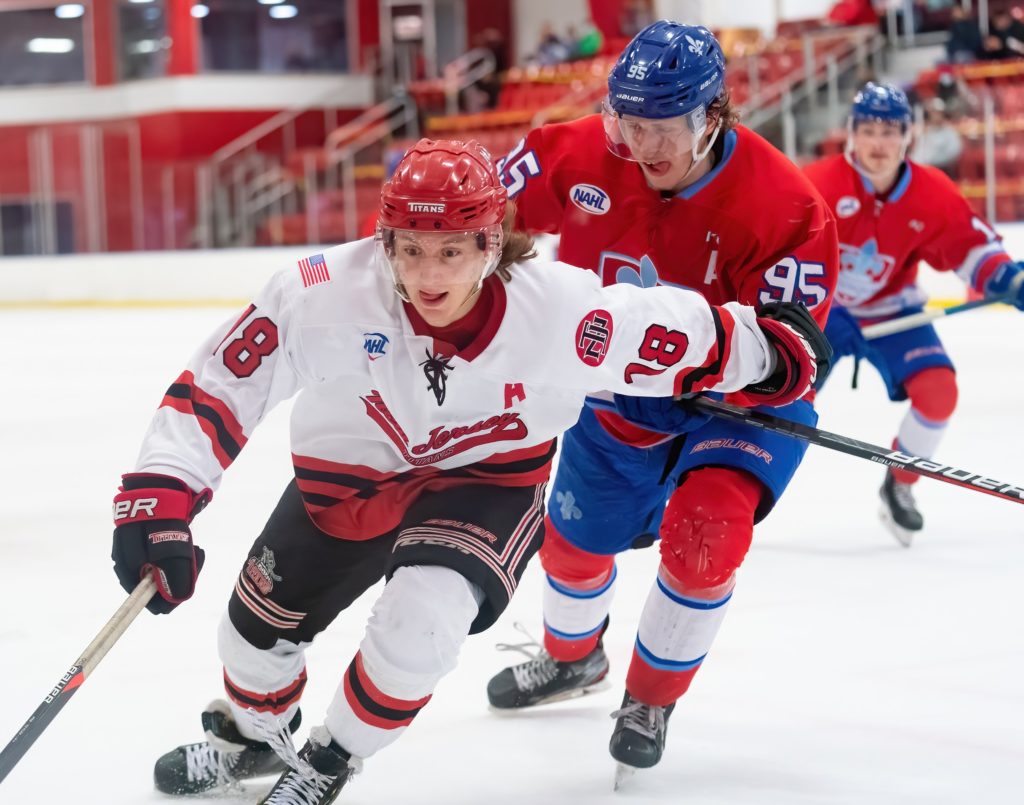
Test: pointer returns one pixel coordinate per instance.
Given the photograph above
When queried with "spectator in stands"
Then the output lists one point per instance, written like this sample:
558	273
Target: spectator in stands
940	143
965	44
1006	37
853	12
587	43
955	94
552	49
636	15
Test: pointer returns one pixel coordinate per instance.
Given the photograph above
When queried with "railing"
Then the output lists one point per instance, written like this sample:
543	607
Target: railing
63	204
225	183
463	72
394	116
779	99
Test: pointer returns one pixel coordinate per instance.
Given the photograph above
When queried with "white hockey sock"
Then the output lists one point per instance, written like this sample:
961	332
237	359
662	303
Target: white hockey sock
412	640
677	628
574	612
919	435
267	681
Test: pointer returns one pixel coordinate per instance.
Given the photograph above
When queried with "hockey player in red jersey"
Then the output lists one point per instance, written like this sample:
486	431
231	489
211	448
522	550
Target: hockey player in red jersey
435	364
892	213
662	189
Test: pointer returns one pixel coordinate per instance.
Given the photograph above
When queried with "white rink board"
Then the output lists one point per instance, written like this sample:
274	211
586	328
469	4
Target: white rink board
233	275
848	671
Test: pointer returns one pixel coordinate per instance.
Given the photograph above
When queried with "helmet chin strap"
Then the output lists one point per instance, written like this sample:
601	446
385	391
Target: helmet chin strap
697	157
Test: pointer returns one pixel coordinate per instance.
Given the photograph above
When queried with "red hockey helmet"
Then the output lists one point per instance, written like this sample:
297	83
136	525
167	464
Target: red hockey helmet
445	195
443	185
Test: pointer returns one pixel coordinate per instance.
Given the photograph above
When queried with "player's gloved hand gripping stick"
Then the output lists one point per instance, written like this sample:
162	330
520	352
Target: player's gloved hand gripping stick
152	514
803	359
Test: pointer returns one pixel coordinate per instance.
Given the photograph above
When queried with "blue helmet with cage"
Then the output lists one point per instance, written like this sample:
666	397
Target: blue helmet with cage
883	102
668	70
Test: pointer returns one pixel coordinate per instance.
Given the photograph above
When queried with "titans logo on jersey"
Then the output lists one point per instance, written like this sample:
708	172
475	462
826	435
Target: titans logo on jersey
863	272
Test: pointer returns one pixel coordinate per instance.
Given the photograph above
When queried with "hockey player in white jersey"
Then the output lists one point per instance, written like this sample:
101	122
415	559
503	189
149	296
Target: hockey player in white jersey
435	365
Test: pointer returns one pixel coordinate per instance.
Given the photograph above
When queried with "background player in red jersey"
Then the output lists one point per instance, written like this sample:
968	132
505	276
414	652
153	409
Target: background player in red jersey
662	188
437	485
892	213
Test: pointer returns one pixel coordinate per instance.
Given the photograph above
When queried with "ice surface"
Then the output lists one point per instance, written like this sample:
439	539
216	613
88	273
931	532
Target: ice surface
849	670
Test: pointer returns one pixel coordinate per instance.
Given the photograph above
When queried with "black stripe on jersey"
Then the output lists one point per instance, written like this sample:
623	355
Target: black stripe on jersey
365	485
183	391
716	367
517	467
319	500
374	707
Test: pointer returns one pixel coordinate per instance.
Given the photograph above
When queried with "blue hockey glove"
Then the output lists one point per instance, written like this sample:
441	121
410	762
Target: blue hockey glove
1008	282
843	333
661	414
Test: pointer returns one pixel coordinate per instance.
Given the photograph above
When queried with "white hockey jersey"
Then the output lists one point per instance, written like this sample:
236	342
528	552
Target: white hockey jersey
386	413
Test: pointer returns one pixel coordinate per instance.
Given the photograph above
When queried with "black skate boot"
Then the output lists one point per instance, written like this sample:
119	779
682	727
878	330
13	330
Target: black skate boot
542	679
899	511
321	770
226	757
639	737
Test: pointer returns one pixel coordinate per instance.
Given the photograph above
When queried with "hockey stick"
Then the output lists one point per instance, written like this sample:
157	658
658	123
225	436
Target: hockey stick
918	319
853	447
75	676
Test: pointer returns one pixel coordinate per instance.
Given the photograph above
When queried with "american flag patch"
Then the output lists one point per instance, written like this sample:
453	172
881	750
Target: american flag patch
313	270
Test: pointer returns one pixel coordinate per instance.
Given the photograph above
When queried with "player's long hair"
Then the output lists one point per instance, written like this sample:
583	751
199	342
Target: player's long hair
722	110
517	245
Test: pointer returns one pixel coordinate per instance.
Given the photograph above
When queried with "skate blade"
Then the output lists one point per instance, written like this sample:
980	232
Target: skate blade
623	772
597	687
903	536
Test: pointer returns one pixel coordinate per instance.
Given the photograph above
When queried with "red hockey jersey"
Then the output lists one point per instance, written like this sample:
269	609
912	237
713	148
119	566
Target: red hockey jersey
882	239
752	230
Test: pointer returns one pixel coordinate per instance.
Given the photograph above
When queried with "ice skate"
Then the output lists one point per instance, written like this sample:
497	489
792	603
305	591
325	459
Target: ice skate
315	775
542	679
225	758
639	737
899	511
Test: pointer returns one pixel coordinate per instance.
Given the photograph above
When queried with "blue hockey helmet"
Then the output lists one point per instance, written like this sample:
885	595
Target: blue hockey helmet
668	70
883	102
667	77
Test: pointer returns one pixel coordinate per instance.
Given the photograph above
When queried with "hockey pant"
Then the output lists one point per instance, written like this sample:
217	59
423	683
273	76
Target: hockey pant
705	534
452	565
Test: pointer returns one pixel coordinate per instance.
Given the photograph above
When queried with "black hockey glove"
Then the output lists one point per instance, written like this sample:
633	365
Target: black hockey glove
151	535
803	356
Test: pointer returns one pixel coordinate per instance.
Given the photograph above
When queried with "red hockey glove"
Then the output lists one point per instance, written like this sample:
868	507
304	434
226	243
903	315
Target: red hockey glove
151	535
803	356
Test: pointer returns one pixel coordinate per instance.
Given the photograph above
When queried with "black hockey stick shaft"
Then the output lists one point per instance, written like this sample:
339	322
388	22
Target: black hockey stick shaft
880	455
75	676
